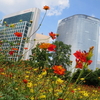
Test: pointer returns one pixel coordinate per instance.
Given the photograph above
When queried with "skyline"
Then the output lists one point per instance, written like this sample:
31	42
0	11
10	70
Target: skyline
59	9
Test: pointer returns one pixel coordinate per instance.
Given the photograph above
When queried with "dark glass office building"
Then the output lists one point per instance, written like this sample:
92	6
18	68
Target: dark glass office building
82	32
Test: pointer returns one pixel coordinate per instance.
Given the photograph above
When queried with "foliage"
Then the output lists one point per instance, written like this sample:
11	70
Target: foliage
91	78
62	53
42	57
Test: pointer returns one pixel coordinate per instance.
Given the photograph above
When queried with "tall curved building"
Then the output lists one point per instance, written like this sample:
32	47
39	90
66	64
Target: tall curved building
81	32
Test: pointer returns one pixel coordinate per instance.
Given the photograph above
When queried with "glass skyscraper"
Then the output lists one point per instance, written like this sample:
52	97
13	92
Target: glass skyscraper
24	22
81	32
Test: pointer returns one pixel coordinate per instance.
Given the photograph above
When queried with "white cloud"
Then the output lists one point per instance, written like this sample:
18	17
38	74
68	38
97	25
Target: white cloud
11	6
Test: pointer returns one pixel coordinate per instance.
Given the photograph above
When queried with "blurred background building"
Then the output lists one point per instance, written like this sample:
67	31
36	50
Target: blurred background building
24	22
81	32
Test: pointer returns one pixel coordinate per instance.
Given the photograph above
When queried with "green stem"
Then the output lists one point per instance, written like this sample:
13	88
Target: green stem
79	75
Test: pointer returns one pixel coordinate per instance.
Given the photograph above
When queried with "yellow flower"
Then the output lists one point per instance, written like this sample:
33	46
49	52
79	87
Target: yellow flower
27	72
32	98
35	85
84	93
16	88
31	90
20	20
29	84
59	81
56	94
44	73
42	96
82	79
78	89
97	68
26	76
96	99
80	97
35	69
95	91
5	22
12	25
31	21
39	77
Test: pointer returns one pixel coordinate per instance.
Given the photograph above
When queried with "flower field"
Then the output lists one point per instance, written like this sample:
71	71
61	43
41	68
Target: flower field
19	82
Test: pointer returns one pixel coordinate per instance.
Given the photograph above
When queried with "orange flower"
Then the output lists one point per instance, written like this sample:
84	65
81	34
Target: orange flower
25	81
25	48
14	49
51	47
52	35
18	34
91	48
46	7
59	70
44	45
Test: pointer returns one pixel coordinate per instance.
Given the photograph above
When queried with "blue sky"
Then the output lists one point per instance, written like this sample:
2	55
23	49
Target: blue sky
59	9
88	7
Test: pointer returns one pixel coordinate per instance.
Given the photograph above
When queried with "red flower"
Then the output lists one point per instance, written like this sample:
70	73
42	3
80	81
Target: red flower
1	69
79	64
11	52
18	34
25	48
52	35
46	7
81	55
25	81
89	62
7	25
72	91
60	99
59	70
51	47
1	42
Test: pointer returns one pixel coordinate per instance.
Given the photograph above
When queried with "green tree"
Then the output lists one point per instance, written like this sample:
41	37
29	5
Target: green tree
62	53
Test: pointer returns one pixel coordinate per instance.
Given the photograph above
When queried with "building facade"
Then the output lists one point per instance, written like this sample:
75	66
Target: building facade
24	22
81	32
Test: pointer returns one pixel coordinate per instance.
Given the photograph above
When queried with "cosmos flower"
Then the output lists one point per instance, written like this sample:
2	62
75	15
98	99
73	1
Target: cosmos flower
14	49
11	52
59	70
25	48
25	81
51	47
18	34
52	35
46	7
44	45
